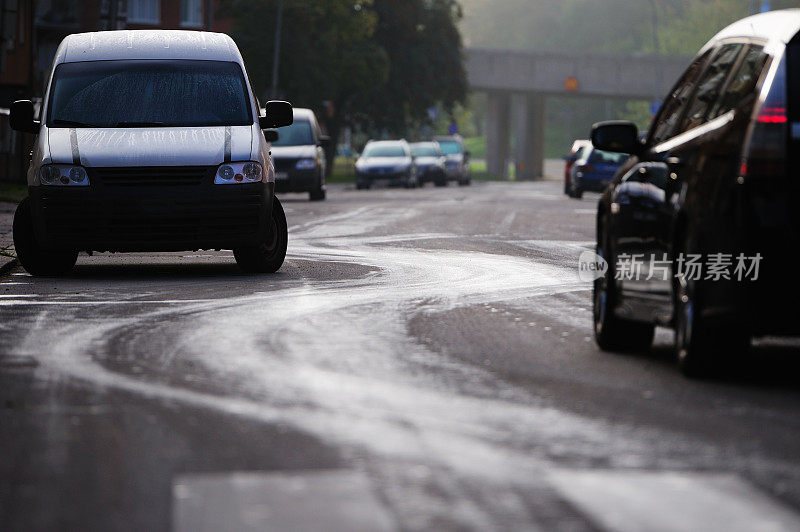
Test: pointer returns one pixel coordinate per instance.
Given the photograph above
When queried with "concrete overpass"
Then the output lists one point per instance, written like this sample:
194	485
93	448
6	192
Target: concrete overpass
517	84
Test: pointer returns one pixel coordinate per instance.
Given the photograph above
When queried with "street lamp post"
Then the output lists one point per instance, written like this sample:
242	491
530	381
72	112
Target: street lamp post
277	51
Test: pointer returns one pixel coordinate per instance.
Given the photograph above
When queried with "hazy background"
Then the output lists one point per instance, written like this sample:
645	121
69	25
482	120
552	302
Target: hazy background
613	26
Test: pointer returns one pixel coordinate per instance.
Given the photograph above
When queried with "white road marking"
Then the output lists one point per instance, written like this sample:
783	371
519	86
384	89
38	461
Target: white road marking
334	501
652	501
504	226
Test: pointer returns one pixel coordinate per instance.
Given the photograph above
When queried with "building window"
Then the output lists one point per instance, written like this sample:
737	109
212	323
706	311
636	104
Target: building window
9	18
192	13
144	11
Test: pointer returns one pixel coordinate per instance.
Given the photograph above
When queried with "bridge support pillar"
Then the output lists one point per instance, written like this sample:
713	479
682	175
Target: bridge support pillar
529	132
497	133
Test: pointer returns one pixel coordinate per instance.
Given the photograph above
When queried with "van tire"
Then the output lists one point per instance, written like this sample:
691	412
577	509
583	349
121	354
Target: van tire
317	195
266	256
37	260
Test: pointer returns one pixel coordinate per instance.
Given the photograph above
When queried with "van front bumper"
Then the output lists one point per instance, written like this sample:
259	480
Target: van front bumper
151	217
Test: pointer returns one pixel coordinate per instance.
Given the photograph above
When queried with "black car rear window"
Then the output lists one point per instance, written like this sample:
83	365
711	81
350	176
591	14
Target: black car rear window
134	93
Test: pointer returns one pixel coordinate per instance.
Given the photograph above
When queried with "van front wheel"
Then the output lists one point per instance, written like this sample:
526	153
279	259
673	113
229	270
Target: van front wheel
37	260
266	256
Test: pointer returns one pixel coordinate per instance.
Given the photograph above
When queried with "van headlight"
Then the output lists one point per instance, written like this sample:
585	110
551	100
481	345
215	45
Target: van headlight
235	173
306	164
63	175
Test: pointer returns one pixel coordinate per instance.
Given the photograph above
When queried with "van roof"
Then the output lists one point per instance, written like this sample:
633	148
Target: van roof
777	27
147	44
302	112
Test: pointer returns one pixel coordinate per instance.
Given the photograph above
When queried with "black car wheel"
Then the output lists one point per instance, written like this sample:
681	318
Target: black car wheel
36	259
611	332
704	345
318	194
266	256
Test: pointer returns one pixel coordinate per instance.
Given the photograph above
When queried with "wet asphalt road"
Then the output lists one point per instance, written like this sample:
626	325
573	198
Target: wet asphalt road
423	361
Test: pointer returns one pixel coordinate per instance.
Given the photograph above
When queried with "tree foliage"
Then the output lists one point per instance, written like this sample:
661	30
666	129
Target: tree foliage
373	64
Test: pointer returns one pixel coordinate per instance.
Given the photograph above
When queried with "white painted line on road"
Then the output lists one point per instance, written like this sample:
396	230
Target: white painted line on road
504	226
309	500
651	501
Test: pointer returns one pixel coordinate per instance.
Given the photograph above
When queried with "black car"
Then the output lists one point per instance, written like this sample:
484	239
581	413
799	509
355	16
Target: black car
299	157
699	229
387	162
457	164
430	163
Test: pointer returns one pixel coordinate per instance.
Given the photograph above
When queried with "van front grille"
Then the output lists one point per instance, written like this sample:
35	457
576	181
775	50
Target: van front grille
126	176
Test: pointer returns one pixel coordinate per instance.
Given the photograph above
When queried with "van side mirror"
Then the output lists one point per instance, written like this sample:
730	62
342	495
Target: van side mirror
616	136
21	117
277	114
271	135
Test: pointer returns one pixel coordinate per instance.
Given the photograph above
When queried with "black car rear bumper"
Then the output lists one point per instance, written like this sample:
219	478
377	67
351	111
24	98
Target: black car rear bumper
151	217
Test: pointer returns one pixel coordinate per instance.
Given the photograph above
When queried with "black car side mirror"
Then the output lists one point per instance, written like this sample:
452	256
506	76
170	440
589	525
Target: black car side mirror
324	140
276	114
271	135
21	117
616	136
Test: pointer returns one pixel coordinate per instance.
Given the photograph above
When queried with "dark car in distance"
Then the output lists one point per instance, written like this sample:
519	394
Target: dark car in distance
299	157
593	170
386	162
569	160
430	163
457	158
715	182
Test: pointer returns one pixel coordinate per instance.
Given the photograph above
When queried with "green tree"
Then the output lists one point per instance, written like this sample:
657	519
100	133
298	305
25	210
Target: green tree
375	65
422	41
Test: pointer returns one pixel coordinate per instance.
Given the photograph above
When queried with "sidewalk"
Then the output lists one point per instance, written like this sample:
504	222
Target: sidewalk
7	255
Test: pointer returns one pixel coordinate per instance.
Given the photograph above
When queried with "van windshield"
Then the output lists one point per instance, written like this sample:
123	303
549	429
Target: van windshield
148	93
298	134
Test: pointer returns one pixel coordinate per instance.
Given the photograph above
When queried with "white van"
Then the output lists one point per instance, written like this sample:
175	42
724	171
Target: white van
149	140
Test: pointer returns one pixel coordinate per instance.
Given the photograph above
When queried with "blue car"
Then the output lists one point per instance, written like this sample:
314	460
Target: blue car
593	170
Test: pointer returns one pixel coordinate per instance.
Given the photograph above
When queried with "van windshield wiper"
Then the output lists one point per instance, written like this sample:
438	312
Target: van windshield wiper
61	122
139	124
